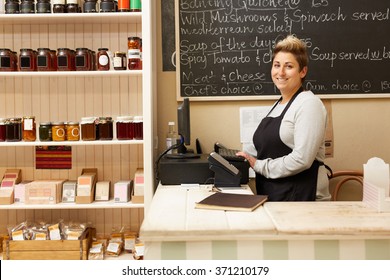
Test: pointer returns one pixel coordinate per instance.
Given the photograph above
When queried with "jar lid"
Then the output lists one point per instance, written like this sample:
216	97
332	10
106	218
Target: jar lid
133	38
138	119
73	123
28	117
45	123
85	120
2	121
57	123
124	118
102	49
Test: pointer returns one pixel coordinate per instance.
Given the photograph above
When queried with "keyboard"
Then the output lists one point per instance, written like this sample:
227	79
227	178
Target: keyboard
230	154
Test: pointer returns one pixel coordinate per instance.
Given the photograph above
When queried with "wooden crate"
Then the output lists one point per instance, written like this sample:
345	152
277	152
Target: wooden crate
49	249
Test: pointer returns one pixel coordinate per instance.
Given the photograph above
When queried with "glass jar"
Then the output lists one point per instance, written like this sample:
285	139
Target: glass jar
133	53
72	6
44	59
90	6
124	128
45	131
120	61
103	60
27	7
105	128
107	6
13	130
29	129
88	128
83	59
58	131
43	6
123	5
135	5
58	6
2	130
65	59
6	59
53	60
72	131
26	60
12	6
138	128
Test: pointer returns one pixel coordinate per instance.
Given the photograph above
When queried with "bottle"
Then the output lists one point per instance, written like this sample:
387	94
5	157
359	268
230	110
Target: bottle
172	137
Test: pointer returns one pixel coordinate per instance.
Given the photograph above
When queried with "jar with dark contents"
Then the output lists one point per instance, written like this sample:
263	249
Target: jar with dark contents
2	130
83	59
29	129
107	6
44	59
65	59
105	128
103	60
45	131
89	6
71	6
59	6
88	128
27	60
124	128
6	60
134	51
27	7
138	128
12	7
13	132
120	60
43	7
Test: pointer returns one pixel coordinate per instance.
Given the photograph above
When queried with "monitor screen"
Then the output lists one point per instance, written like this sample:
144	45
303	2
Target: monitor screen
183	120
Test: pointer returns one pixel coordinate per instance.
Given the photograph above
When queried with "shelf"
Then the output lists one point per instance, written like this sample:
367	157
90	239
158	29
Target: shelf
94	205
75	18
72	73
71	143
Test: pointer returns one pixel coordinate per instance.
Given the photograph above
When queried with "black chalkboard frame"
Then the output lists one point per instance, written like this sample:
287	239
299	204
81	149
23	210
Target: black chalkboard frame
267	95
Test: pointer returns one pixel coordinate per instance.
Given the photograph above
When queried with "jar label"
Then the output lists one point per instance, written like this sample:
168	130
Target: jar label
103	60
134	54
118	62
60	132
28	124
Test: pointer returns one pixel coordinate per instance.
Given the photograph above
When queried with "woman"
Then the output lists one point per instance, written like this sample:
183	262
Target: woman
289	143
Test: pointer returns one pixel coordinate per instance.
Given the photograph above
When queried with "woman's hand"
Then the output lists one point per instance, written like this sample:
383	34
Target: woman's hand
251	160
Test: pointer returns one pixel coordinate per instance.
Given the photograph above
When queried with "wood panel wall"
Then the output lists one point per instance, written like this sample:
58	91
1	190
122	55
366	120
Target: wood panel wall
69	99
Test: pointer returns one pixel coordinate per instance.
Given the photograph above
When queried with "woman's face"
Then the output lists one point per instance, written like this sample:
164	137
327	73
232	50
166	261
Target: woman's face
286	74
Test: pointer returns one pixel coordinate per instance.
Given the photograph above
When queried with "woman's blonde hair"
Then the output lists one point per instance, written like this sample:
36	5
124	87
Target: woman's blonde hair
295	46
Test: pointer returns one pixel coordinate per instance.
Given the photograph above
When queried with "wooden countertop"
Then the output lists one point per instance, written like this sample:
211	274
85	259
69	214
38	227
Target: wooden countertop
172	216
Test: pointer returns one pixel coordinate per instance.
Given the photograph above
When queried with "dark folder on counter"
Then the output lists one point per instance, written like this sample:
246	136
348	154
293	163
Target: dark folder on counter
231	202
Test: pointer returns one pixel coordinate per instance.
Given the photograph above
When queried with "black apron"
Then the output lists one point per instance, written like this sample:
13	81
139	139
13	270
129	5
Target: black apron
299	187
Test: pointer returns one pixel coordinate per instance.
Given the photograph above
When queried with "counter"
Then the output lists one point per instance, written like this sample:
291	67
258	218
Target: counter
174	229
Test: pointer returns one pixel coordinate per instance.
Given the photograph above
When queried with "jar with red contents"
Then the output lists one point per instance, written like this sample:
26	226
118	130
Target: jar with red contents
27	60
134	53
103	60
44	59
138	128
124	128
7	60
65	59
2	130
83	59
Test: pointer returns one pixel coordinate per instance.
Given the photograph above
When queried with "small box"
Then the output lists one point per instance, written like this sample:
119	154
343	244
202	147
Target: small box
20	191
102	192
86	187
69	191
6	196
122	191
15	174
43	192
139	183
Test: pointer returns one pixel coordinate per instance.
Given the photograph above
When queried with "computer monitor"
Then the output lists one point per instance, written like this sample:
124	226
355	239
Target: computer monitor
184	130
183	121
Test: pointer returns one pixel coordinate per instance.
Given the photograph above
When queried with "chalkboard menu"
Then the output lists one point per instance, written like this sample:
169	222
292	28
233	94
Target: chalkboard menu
225	46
